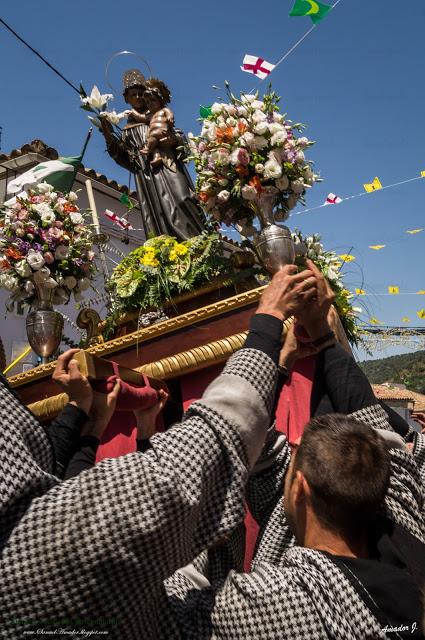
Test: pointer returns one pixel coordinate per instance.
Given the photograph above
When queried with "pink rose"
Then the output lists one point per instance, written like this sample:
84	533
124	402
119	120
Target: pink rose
48	257
240	156
58	224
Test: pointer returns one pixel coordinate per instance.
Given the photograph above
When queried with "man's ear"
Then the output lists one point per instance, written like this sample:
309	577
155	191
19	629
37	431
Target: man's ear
300	488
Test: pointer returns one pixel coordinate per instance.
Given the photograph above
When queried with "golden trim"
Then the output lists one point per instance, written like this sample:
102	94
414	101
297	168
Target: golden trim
180	364
148	333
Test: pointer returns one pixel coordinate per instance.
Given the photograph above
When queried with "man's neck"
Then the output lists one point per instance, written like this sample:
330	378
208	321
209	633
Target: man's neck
322	539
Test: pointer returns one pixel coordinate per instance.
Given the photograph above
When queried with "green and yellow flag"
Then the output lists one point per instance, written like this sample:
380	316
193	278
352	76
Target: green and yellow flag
316	10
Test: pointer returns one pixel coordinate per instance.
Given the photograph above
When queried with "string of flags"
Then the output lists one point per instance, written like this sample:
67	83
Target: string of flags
120	222
315	10
258	66
405	320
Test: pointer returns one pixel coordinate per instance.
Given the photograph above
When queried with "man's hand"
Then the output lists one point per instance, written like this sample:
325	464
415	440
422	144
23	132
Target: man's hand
146	419
288	292
68	376
102	410
293	350
315	318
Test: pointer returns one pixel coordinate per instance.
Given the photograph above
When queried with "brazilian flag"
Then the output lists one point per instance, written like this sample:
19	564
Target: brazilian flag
316	10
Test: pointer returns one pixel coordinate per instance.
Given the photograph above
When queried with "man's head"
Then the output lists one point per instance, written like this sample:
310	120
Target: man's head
338	476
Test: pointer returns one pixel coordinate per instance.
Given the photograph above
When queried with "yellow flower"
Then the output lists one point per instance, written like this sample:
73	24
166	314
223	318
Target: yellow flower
181	249
173	255
149	260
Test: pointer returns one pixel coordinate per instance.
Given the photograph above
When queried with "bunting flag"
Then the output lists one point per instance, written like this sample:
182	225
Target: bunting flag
125	199
423	174
205	112
360	292
421	314
406	320
120	222
414	231
373	186
374	321
394	291
421	292
346	257
333	199
316	10
258	66
377	247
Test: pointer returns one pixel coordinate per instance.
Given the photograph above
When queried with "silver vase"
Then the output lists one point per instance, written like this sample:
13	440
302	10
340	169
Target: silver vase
274	244
44	325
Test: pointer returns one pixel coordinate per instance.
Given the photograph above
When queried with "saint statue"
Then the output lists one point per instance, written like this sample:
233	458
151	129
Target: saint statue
149	148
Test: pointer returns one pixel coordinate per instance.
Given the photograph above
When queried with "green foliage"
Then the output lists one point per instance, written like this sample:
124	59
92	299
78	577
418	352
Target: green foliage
408	369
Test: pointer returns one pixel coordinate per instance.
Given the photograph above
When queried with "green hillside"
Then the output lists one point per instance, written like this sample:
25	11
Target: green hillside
408	369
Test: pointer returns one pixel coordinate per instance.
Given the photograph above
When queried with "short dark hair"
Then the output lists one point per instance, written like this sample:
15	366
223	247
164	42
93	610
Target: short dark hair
347	466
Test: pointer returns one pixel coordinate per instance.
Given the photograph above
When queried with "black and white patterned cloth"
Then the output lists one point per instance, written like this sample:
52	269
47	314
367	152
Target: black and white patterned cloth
93	551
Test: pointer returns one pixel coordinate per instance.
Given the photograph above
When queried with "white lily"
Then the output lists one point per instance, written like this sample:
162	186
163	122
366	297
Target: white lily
97	100
115	117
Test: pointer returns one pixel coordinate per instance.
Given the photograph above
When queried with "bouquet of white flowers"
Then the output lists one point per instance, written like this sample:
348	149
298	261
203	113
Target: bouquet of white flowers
45	243
248	151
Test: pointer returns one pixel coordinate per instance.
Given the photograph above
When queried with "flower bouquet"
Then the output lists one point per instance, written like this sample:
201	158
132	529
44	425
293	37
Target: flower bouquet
164	268
45	244
247	153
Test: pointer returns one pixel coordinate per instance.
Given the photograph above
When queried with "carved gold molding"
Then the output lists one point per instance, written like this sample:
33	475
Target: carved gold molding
180	364
148	333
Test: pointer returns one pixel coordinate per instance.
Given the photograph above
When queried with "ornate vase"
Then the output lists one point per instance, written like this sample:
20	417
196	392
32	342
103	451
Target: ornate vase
274	244
44	325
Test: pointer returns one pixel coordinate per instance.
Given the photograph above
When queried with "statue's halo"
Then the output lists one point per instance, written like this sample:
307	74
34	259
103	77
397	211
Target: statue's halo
116	55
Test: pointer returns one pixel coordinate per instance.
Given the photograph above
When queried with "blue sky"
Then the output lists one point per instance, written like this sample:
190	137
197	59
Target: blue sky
356	81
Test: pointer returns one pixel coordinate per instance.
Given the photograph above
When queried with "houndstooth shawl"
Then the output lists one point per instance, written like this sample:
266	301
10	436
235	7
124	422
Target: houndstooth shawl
95	550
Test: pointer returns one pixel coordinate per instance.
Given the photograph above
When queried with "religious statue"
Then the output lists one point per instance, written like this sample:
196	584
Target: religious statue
149	148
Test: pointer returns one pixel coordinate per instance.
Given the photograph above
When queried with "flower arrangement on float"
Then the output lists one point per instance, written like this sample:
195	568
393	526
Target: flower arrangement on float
45	245
250	163
163	268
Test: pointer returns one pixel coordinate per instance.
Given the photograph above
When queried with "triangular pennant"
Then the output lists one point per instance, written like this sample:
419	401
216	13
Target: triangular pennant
373	186
377	247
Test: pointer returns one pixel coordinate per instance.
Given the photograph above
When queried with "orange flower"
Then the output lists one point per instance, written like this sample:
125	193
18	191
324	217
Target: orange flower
242	171
256	182
13	253
5	264
225	135
242	127
69	208
203	196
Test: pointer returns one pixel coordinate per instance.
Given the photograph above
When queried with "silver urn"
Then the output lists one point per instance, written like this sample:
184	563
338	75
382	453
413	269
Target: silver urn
44	325
275	247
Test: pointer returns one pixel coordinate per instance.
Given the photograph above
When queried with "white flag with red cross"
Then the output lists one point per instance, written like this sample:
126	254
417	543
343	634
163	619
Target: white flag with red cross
120	222
333	199
258	66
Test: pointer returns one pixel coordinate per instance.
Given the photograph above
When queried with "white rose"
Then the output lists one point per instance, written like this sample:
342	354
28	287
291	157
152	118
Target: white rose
247	139
23	269
231	110
43	187
60	296
84	284
249	193
211	133
275	127
248	98
259	168
277	117
283	183
303	142
9	282
300	157
231	122
76	217
261	128
259	116
242	111
216	108
258	104
42	275
223	196
272	169
297	186
278	138
259	142
72	196
35	259
61	252
70	282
